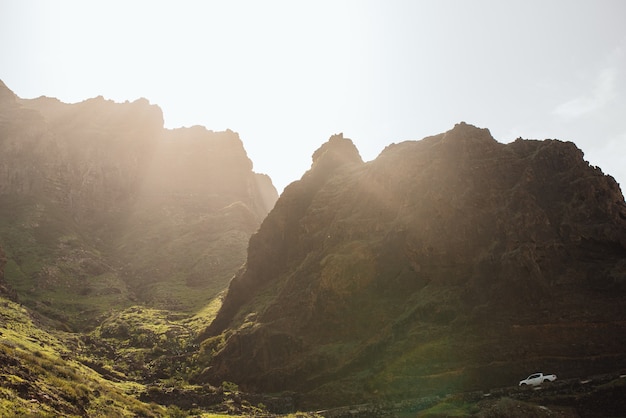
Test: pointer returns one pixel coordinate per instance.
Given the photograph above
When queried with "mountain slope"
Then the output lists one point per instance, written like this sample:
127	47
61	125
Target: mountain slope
41	373
451	263
102	208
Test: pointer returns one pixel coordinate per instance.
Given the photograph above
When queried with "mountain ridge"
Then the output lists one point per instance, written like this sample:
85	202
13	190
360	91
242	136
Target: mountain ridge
430	242
450	264
99	199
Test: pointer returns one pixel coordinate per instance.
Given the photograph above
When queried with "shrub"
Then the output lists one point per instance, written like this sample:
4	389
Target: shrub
230	387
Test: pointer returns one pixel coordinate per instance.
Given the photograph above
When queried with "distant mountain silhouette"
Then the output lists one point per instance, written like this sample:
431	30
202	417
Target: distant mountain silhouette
447	264
102	207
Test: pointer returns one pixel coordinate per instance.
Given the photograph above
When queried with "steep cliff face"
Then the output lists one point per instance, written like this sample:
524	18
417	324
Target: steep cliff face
103	206
451	263
277	246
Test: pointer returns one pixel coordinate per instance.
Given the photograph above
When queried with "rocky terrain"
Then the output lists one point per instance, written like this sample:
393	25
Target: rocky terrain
426	282
101	207
450	264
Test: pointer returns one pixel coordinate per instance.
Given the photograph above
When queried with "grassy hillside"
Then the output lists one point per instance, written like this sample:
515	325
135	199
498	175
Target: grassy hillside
42	374
134	365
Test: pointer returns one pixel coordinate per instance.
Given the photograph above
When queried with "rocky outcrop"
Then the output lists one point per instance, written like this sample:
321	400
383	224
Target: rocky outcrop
99	155
276	244
451	263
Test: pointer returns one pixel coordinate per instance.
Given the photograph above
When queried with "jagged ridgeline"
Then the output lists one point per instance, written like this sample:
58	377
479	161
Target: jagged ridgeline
101	207
447	264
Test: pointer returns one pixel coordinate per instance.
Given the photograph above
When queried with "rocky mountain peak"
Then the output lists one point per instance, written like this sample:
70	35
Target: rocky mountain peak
341	150
465	140
334	154
429	267
463	131
6	94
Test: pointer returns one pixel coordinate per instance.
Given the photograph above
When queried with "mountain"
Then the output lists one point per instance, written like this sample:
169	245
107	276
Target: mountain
102	208
449	264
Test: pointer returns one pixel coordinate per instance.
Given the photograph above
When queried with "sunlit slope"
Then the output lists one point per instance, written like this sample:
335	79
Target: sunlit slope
102	208
42	375
446	264
113	371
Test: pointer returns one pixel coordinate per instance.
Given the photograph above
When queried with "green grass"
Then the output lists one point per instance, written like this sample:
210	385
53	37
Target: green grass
40	375
449	408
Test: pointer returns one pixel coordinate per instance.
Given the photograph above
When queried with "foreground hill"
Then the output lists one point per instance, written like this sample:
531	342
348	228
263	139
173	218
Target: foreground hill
102	208
46	372
448	264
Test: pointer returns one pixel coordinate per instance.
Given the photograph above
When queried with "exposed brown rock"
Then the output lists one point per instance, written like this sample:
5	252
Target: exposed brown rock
276	244
451	263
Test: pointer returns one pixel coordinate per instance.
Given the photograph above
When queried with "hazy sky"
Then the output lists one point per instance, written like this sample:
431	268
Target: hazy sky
287	75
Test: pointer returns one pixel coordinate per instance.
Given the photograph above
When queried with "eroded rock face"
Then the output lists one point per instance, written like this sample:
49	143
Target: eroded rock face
98	155
454	262
98	197
277	243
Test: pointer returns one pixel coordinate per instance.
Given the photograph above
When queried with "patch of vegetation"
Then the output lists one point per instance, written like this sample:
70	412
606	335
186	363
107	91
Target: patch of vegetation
167	255
40	375
49	373
143	344
450	407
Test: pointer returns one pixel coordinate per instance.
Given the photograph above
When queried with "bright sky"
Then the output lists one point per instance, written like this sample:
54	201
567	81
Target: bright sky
288	74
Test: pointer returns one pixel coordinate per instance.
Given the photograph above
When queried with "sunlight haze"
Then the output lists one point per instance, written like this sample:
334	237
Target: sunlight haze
287	75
